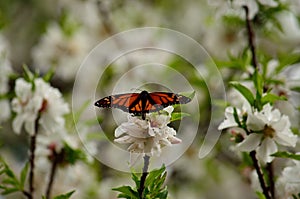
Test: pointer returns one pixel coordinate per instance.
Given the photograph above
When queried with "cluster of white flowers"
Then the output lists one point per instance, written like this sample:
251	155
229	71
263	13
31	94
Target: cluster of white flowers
264	130
147	136
5	70
234	7
38	99
64	47
288	184
62	51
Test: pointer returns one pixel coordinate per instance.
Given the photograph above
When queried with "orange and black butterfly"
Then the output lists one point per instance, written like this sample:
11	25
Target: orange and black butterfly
142	103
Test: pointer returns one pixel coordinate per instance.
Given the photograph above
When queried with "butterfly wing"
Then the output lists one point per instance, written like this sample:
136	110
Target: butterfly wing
141	103
159	100
121	101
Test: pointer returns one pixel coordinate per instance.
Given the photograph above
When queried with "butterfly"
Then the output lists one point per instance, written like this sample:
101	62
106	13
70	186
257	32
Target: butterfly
142	103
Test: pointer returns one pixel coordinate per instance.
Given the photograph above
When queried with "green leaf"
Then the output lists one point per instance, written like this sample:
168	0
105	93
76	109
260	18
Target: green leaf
23	175
236	117
9	172
136	179
271	98
178	116
260	195
244	91
284	154
71	155
153	186
154	183
163	194
153	175
127	191
28	75
296	89
9	191
160	181
121	195
258	83
9	178
10	181
65	196
48	76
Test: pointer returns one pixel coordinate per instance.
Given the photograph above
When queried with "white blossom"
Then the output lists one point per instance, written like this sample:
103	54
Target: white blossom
288	184
290	26
53	107
269	128
60	50
230	122
270	3
147	136
32	100
234	7
84	12
26	105
229	118
5	71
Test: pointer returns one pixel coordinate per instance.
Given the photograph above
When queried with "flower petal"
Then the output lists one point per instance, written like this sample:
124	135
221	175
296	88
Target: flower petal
169	109
265	150
227	123
119	131
174	140
255	123
250	143
286	138
281	124
18	122
123	140
30	127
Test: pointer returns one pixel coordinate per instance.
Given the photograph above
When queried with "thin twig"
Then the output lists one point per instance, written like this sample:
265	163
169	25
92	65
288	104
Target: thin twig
144	175
32	157
271	179
52	174
260	175
111	30
251	38
106	20
27	194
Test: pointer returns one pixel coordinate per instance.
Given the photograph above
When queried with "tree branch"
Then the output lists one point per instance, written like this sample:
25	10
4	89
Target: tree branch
27	194
251	38
260	175
32	157
52	174
271	178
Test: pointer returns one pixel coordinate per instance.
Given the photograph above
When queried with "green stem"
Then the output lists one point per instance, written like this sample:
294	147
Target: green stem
143	177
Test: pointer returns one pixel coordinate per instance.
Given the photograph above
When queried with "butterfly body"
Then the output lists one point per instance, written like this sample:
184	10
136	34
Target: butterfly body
142	103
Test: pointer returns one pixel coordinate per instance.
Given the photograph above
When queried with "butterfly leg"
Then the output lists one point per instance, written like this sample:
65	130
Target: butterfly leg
143	116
